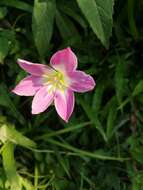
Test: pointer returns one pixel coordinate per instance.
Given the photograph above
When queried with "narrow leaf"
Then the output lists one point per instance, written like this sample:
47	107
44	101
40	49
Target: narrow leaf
84	153
7	132
26	183
111	119
4	48
7	102
138	89
62	161
17	4
97	98
3	12
93	118
119	79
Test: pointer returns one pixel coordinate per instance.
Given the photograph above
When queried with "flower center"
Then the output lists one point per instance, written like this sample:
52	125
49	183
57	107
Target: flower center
55	80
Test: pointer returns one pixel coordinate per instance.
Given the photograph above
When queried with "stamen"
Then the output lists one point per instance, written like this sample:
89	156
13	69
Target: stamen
56	79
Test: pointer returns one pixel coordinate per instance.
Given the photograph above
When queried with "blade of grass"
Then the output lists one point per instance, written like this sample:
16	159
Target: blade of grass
63	131
86	153
35	177
6	101
131	18
62	161
93	118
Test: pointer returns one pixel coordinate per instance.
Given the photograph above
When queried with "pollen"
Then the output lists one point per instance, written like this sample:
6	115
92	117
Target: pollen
55	80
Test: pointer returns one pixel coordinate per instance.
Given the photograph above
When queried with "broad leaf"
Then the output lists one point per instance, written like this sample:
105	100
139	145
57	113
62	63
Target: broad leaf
10	166
99	15
42	25
73	14
67	29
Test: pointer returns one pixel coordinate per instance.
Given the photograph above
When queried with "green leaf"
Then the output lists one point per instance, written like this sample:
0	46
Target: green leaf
111	118
17	4
97	98
137	153
7	43
93	118
138	89
136	147
8	133
132	19
65	130
42	24
99	15
4	48
119	79
62	161
10	166
3	12
26	183
7	102
84	153
65	26
73	14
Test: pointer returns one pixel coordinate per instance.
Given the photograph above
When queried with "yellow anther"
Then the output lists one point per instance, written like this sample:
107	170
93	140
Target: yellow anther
56	79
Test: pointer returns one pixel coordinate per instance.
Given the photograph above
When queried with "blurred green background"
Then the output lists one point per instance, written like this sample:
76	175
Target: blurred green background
102	145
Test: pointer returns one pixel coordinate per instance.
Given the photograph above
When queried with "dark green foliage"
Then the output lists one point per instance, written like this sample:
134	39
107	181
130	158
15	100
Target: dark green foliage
102	145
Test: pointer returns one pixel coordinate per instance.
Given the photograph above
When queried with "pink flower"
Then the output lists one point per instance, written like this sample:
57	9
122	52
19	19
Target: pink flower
55	83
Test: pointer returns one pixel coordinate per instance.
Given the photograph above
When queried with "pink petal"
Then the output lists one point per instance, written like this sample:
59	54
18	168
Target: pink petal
64	104
42	100
81	82
64	60
28	86
33	68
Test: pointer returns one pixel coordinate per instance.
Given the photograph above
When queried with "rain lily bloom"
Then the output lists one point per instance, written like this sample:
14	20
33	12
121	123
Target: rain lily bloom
55	83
